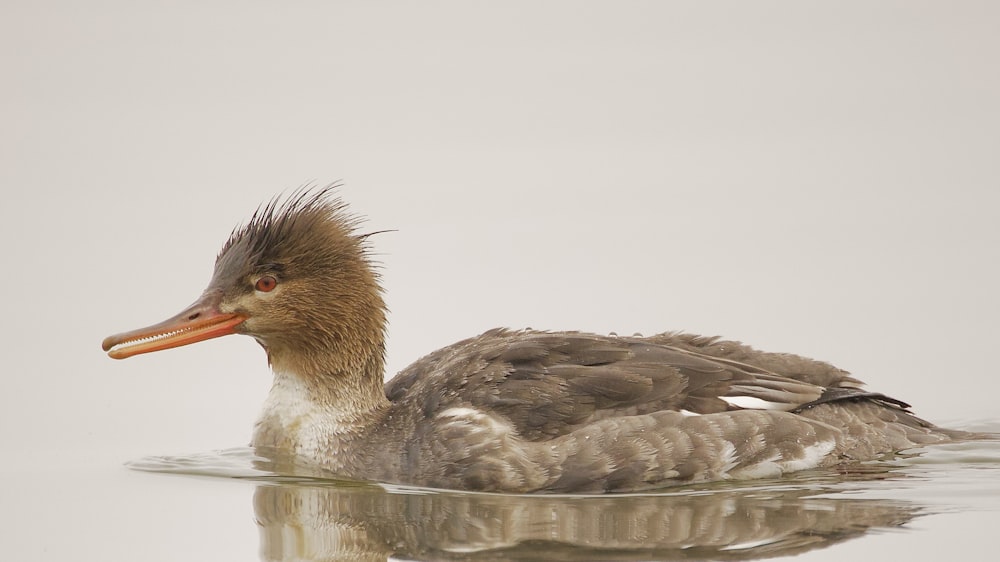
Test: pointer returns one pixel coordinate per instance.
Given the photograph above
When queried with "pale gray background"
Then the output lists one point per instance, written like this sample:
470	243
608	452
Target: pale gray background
820	178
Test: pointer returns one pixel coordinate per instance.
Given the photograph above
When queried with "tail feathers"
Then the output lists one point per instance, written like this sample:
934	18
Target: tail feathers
874	427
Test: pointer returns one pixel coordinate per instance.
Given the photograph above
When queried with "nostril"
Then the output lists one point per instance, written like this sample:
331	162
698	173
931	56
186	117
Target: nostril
194	316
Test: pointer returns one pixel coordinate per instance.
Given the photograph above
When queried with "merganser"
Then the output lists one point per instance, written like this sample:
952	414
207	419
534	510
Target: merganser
509	411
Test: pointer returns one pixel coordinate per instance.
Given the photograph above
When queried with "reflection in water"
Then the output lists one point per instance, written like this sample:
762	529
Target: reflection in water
312	522
304	517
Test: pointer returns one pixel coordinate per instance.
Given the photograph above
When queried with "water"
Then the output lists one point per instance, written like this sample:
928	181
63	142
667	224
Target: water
935	494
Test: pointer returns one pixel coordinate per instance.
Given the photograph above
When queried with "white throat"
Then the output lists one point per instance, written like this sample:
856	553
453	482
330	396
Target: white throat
294	418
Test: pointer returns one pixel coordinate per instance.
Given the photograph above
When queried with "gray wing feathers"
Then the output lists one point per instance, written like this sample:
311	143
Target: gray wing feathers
550	384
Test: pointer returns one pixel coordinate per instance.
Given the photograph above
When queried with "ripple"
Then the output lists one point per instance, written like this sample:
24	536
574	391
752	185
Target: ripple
949	466
301	509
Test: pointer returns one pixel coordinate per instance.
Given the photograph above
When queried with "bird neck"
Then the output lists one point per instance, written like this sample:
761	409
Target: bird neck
322	397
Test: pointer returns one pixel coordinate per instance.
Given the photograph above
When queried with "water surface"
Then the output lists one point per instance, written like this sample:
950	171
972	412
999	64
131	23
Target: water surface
303	516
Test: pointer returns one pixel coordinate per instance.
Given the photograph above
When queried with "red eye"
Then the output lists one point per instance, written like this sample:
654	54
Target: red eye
266	284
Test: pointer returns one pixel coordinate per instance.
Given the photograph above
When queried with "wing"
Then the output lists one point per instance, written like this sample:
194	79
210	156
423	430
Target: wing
548	384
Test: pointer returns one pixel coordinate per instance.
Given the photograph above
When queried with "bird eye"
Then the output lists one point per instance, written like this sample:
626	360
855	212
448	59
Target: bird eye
266	284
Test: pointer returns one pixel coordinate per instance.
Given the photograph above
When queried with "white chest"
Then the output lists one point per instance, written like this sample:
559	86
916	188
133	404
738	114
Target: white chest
293	419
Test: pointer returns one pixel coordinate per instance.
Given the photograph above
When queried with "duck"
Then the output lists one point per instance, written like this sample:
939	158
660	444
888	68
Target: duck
509	411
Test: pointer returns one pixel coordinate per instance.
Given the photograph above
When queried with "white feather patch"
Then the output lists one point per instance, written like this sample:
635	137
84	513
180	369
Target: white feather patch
775	465
811	457
477	419
754	403
460	412
729	457
766	468
291	406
